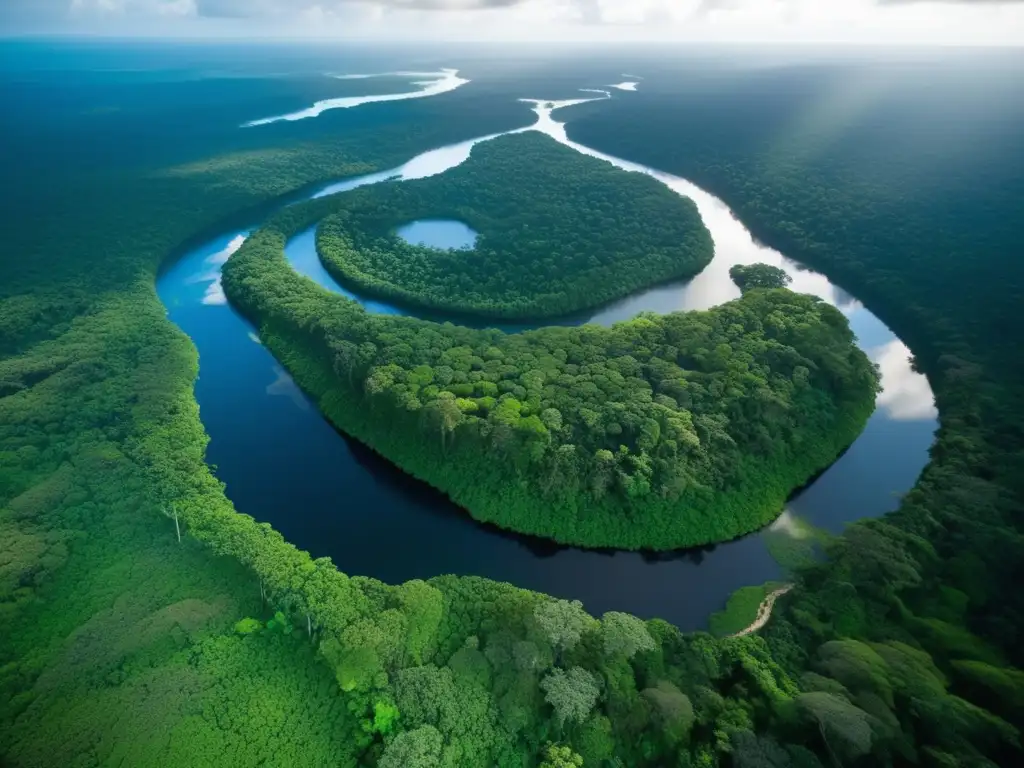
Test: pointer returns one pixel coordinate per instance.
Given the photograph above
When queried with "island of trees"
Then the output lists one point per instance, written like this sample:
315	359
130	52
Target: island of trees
657	433
749	276
558	232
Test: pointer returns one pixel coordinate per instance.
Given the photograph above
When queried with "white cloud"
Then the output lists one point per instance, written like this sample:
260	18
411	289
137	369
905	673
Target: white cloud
823	21
141	8
905	394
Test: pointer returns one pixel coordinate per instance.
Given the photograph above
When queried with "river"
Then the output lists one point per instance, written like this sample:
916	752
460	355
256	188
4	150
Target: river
284	464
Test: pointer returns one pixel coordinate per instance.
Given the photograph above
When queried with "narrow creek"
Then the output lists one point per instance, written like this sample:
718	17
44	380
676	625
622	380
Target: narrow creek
284	464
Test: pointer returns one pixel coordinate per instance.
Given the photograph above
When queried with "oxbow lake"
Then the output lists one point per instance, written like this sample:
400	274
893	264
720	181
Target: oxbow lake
284	464
438	233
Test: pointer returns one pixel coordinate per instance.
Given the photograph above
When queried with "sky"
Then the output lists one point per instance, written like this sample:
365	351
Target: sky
943	22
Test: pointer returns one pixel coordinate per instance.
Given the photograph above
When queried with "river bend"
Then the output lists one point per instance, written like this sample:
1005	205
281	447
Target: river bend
284	464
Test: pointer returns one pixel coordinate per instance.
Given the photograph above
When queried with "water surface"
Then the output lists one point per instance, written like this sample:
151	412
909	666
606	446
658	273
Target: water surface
435	83
438	233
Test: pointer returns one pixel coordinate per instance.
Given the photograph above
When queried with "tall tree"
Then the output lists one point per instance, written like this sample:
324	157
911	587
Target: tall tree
624	635
563	623
572	693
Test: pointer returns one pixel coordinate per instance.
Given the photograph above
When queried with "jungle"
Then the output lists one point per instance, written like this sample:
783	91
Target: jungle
148	622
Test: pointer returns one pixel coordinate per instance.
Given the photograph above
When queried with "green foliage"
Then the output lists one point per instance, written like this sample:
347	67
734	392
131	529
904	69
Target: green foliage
624	635
571	693
563	622
419	748
794	543
558	232
423	605
751	276
670	431
122	646
560	756
247	626
280	623
385	715
845	729
672	711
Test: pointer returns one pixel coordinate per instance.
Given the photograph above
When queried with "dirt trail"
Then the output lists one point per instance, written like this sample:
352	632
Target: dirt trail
764	611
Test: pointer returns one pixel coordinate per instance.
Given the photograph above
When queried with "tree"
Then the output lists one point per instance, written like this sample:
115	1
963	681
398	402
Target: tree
759	275
419	748
752	751
563	622
384	716
444	415
560	756
625	635
845	729
857	666
173	514
673	710
573	694
423	605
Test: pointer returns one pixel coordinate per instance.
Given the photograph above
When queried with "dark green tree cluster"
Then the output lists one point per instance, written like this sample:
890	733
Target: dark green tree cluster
558	232
660	432
750	276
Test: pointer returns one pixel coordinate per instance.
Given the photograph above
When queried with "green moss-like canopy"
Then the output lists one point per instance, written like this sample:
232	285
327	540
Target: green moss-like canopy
658	433
559	232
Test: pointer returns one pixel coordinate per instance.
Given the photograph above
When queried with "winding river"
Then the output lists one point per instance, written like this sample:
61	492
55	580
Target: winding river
284	464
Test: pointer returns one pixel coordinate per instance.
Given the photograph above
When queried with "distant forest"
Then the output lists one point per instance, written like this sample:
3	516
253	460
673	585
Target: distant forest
909	208
122	645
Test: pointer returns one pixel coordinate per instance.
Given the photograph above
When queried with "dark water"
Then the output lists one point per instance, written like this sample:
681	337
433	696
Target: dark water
438	233
284	464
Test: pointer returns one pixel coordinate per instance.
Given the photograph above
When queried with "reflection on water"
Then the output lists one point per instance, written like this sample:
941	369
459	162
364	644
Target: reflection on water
284	386
787	523
438	233
284	464
437	83
214	293
906	395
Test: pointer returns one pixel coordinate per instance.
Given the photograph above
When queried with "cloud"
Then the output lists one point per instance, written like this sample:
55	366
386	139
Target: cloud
238	9
985	22
949	2
905	395
137	8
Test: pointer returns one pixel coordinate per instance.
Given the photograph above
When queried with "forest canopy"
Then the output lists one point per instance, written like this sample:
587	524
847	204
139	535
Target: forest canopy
558	232
660	432
750	276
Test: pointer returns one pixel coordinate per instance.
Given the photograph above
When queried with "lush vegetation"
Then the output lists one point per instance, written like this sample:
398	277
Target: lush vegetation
920	610
749	276
122	645
657	433
558	232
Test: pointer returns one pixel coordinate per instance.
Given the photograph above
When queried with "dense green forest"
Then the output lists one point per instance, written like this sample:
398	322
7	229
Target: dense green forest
123	646
658	433
928	241
558	232
750	276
